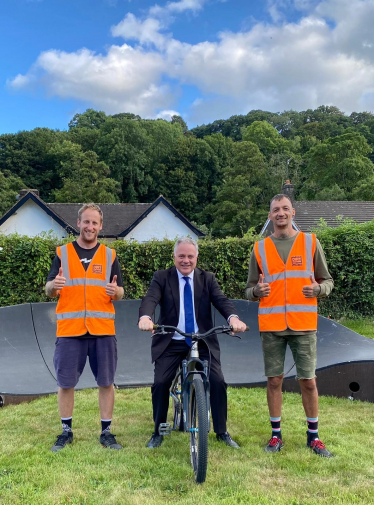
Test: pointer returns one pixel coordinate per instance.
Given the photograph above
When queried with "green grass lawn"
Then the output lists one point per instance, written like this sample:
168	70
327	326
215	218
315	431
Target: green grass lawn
362	326
86	473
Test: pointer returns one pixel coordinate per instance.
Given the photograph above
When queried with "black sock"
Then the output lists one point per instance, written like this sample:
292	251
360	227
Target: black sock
66	423
276	427
312	428
105	425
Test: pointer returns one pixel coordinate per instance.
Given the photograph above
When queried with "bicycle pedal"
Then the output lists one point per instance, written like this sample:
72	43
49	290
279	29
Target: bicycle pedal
164	429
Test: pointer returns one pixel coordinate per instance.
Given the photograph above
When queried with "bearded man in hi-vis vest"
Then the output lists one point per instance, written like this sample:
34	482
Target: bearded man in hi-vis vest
86	276
287	272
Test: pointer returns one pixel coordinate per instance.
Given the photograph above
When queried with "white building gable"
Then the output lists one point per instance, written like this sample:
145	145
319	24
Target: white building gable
31	220
159	224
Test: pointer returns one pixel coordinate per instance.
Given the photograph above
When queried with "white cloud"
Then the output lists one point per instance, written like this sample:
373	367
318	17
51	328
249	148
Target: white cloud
324	58
177	7
126	79
145	32
167	114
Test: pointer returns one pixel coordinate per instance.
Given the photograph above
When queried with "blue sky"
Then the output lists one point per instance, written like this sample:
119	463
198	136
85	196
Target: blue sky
202	59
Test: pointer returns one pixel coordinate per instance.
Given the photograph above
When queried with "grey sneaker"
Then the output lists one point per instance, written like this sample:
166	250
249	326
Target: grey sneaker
275	444
320	449
108	440
66	437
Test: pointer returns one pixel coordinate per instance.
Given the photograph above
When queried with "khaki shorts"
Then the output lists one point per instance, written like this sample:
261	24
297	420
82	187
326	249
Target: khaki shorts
304	351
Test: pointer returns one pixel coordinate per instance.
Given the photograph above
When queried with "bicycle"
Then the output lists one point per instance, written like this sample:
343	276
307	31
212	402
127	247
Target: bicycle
191	399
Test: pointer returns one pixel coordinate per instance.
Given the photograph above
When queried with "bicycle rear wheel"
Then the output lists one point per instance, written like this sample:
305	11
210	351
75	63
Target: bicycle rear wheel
198	423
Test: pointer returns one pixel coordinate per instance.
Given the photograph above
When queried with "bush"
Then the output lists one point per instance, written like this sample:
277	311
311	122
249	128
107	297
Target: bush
25	263
349	250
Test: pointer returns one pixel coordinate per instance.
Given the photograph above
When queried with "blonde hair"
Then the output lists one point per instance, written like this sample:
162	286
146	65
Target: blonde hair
92	206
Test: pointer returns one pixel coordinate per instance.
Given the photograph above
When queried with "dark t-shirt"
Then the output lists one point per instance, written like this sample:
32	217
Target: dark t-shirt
86	255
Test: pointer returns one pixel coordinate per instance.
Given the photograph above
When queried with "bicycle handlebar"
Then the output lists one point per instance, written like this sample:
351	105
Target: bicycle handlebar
195	336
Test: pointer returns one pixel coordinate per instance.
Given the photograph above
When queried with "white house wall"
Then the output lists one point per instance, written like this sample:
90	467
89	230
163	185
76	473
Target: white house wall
159	224
31	220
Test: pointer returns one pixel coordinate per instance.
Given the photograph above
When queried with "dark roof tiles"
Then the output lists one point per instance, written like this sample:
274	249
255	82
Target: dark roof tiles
308	213
117	216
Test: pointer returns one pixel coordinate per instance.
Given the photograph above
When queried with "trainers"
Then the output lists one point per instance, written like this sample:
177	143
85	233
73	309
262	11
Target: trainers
155	441
66	437
275	444
225	437
108	440
319	448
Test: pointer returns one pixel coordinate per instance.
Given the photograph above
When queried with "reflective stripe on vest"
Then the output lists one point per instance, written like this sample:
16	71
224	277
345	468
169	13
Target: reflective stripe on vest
85	313
83	305
286	306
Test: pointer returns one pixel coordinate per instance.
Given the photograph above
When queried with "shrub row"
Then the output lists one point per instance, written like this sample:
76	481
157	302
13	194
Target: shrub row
349	249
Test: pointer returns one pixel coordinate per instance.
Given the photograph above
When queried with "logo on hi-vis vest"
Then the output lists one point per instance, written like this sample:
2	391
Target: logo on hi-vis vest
296	261
97	269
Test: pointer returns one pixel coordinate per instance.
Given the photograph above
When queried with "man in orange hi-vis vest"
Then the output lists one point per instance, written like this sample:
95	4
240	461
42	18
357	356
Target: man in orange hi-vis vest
287	272
86	276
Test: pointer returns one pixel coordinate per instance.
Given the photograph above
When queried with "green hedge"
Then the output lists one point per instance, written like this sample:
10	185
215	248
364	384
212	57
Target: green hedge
349	249
25	263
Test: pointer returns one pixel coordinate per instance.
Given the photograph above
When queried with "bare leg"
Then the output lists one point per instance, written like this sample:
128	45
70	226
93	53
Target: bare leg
66	401
106	401
274	395
309	394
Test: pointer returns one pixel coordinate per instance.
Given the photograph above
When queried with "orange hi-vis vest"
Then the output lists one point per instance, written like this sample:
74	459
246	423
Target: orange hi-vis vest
286	306
83	305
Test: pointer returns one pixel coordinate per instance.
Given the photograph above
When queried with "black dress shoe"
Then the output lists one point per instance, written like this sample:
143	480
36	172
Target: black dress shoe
225	437
155	441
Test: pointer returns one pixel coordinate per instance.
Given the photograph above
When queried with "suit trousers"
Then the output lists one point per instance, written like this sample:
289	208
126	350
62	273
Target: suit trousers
164	372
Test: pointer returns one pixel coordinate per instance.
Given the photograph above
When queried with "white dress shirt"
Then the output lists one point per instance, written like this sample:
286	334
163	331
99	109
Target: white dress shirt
181	323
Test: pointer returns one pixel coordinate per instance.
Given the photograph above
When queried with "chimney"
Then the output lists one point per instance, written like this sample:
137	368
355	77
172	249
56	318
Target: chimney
23	192
288	190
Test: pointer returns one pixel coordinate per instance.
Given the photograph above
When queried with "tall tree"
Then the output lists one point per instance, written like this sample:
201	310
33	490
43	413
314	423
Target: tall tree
266	137
86	180
123	146
10	185
27	155
91	119
340	160
235	203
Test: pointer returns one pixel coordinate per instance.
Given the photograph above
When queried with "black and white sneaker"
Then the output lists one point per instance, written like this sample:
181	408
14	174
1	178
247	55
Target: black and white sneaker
66	437
109	441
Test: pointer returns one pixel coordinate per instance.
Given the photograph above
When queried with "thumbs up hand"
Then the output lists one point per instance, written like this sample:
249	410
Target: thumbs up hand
59	281
111	289
313	289
262	288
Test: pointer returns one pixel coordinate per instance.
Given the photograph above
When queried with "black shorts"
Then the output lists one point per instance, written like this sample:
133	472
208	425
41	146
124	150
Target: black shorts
71	355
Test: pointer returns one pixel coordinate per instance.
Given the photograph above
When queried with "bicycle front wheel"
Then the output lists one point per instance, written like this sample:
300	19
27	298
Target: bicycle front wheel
198	424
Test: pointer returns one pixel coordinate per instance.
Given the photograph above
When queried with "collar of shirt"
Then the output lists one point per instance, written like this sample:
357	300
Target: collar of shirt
180	277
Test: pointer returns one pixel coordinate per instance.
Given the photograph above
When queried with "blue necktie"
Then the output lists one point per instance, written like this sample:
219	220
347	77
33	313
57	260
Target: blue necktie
188	310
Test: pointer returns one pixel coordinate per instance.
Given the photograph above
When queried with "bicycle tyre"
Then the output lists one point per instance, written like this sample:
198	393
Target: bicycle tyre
198	423
178	424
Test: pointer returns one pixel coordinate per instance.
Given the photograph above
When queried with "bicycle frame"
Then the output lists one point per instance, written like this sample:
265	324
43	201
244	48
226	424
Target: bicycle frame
186	372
